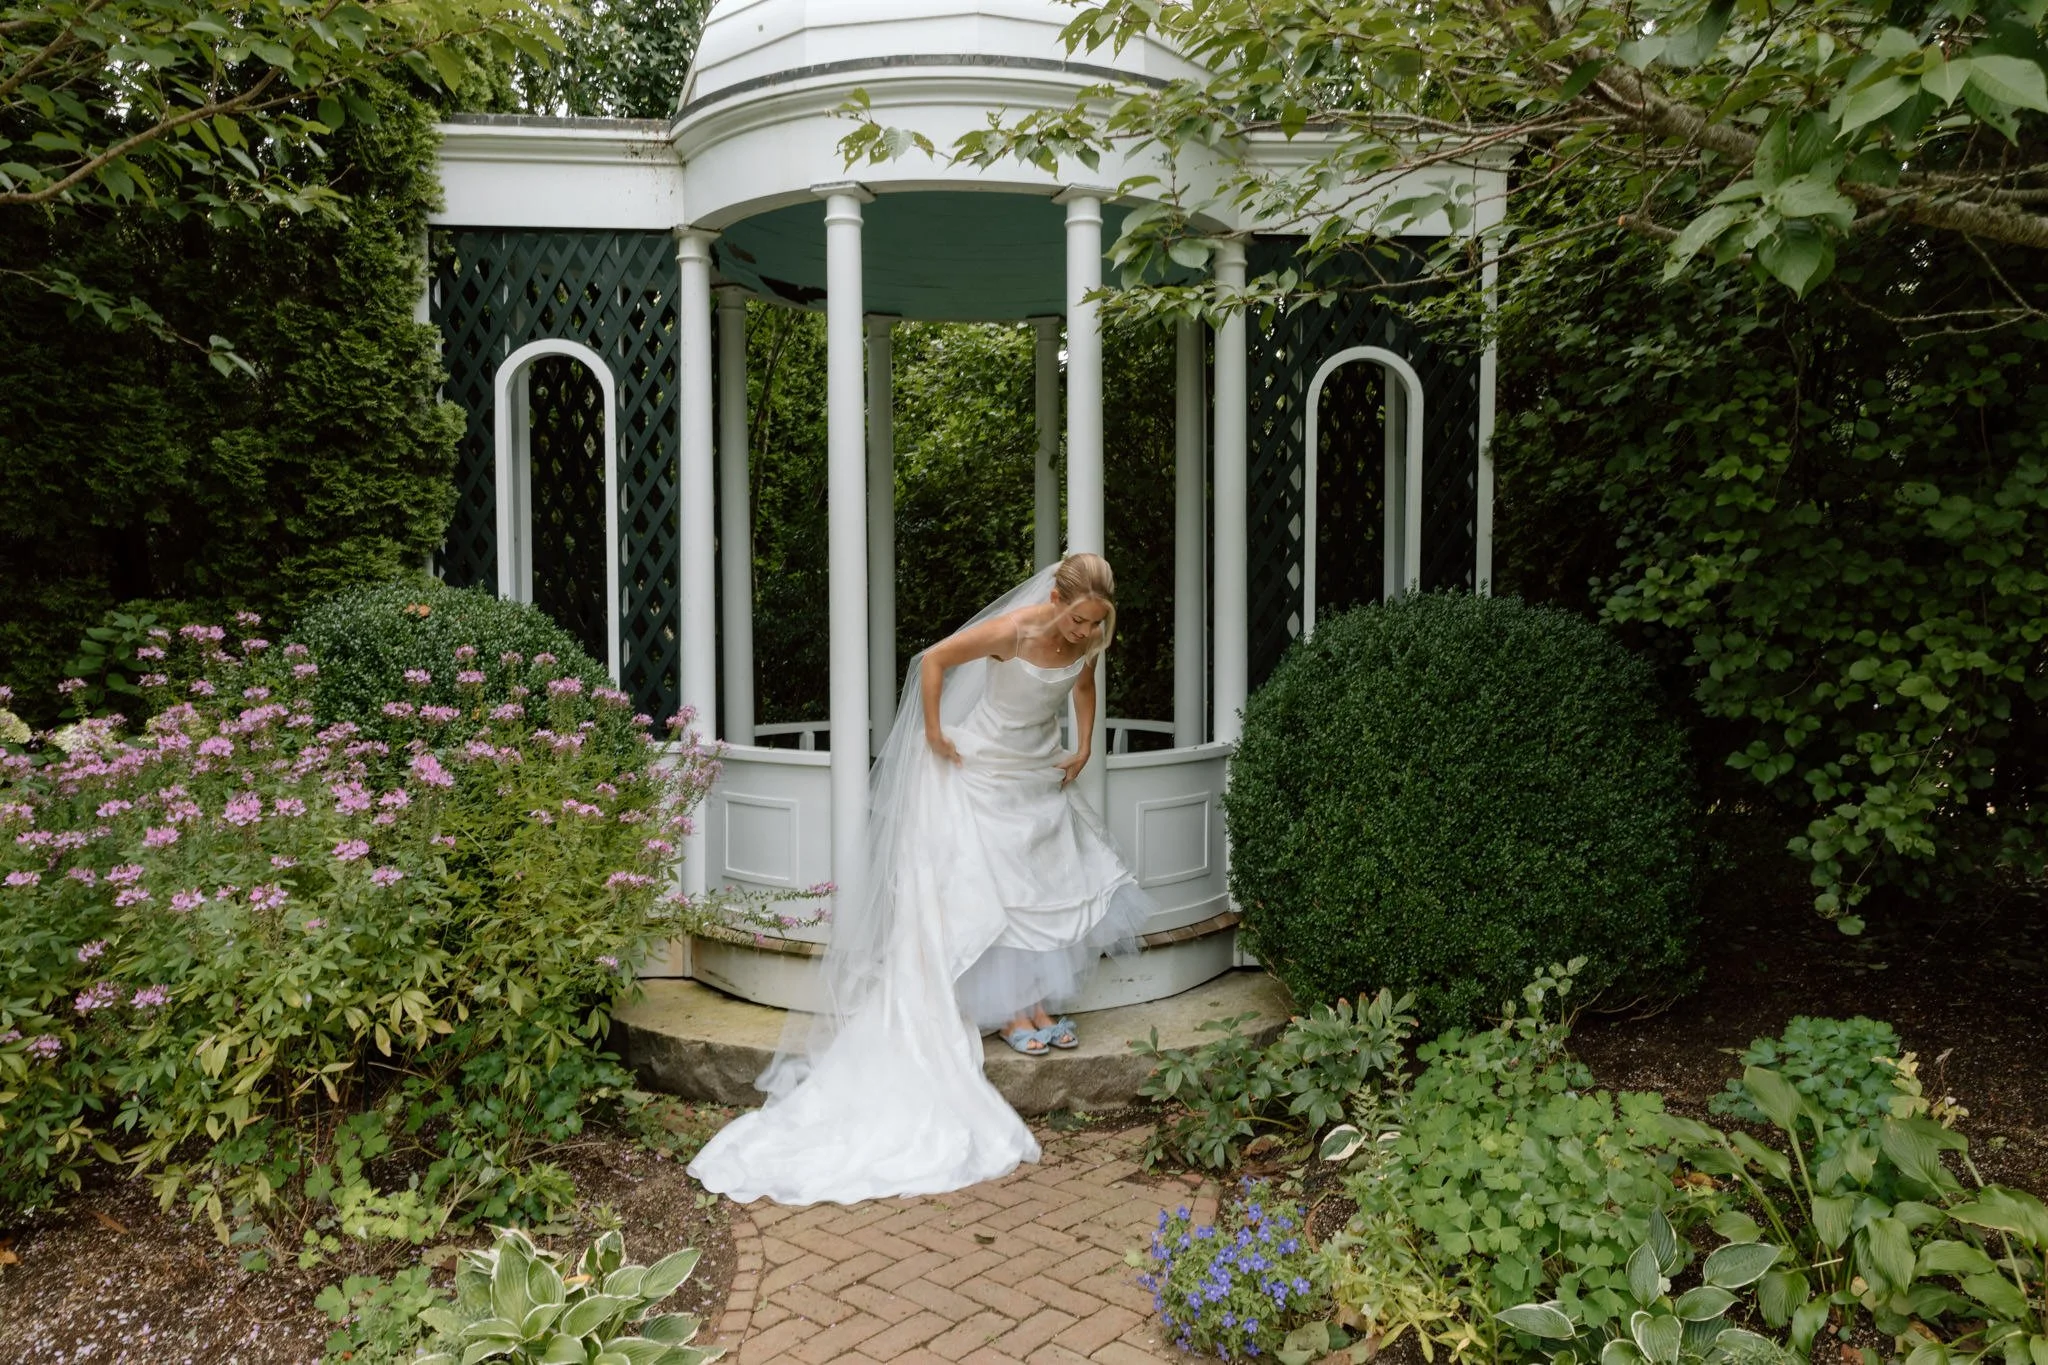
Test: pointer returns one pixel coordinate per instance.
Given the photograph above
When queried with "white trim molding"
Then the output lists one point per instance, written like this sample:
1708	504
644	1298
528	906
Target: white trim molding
1404	502
513	458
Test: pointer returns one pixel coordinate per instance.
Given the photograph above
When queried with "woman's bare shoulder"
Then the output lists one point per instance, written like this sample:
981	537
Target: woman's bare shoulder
993	638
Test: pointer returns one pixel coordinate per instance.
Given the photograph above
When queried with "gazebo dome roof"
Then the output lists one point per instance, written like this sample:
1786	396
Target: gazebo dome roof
751	44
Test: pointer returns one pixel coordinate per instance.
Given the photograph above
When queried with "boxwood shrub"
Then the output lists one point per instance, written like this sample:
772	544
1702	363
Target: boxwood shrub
1445	793
368	640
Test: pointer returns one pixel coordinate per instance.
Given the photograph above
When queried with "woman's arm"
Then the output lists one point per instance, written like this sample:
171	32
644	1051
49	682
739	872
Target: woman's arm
996	638
1084	723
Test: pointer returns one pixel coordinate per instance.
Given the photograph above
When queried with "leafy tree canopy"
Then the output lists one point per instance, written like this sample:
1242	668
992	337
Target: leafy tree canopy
1740	129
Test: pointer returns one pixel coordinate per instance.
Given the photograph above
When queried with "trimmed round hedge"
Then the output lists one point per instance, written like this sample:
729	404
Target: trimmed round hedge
1446	793
367	639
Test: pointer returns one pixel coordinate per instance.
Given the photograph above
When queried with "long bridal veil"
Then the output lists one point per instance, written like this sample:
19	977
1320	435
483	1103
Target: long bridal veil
853	967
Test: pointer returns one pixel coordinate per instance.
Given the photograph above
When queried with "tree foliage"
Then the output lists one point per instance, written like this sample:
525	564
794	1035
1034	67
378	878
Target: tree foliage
135	470
1834	530
1742	129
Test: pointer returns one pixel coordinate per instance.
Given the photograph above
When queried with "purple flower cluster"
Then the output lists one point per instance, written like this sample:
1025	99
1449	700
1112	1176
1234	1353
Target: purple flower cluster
1233	1287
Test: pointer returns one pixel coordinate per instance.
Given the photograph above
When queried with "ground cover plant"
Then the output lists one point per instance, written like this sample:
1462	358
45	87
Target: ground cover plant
315	985
1440	795
1235	1288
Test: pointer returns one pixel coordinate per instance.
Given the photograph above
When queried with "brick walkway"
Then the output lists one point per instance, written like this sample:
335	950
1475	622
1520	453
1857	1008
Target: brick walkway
1029	1268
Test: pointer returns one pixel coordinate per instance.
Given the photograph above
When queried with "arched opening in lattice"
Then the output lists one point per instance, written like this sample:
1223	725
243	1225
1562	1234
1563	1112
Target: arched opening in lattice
1362	484
557	489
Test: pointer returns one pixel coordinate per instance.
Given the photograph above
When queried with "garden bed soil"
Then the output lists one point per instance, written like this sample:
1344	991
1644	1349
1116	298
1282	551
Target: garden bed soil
111	1280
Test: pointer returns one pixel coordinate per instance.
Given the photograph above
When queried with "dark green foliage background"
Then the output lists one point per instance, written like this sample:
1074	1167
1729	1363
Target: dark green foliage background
1444	794
129	468
965	438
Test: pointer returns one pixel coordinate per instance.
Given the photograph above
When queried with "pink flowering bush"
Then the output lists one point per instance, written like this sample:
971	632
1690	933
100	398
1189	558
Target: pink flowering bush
237	930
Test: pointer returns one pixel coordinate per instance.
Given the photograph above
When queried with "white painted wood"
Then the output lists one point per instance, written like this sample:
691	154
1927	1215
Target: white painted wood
515	511
697	610
511	172
881	533
1084	432
768	824
736	519
846	535
1393	495
1403	527
1232	642
1190	613
1045	488
760	40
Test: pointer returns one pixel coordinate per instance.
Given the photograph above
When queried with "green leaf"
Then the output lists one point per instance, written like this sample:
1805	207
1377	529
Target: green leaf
1831	1215
586	1315
1703	1303
674	1328
1657	1335
1945	79
563	1350
2014	81
639	1350
1772	1093
1700	232
1538	1320
1915	1147
1872	102
1738	1264
1341	1143
1581	77
1952	1258
1799	260
1813	196
1620	1352
1779	1293
1663	1241
1699	42
2006	1210
1645	1277
1996	1293
665	1274
1888	1247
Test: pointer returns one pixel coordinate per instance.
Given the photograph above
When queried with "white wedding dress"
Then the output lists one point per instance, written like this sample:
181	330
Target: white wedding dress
996	887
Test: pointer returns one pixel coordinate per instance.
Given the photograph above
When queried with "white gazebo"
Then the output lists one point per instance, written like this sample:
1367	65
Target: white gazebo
629	249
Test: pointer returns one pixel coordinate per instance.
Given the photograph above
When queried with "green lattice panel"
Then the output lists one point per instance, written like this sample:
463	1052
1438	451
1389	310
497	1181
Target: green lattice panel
494	291
1283	359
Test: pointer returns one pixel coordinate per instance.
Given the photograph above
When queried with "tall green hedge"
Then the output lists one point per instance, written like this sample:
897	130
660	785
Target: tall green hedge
134	470
1447	793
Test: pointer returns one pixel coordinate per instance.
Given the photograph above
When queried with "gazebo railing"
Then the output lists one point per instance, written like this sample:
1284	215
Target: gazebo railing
806	732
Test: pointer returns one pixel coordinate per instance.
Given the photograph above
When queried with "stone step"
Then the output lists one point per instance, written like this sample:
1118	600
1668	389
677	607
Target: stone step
684	1038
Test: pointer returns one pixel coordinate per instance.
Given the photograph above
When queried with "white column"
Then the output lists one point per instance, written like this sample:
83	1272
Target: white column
697	622
881	534
1233	587
1084	370
1190	612
736	519
846	536
1084	438
1045	488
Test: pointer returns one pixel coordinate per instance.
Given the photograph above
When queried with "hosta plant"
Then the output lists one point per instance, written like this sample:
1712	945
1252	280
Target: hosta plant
1692	1328
517	1303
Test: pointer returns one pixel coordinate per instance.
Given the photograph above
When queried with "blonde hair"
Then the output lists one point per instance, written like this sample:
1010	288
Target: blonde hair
1082	575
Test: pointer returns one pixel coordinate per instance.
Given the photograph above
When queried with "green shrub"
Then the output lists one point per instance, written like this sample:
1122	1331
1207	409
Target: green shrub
260	959
369	639
1442	794
1516	1175
1232	1091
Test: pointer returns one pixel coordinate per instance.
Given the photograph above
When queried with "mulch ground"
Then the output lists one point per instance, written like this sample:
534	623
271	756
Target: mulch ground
110	1279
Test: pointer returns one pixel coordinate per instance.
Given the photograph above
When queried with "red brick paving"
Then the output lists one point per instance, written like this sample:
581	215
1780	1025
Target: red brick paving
1026	1270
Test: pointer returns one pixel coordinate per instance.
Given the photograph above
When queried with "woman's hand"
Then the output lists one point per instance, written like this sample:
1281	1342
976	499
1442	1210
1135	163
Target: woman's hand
943	747
1072	767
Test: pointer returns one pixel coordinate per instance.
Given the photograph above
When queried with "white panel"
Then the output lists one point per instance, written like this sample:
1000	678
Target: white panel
760	840
1173	840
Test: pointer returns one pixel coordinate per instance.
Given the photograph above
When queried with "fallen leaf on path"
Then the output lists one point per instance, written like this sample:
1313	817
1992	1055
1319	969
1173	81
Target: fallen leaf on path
110	1224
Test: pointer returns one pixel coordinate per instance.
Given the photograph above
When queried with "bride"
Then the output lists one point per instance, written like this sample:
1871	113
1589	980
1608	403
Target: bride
993	889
